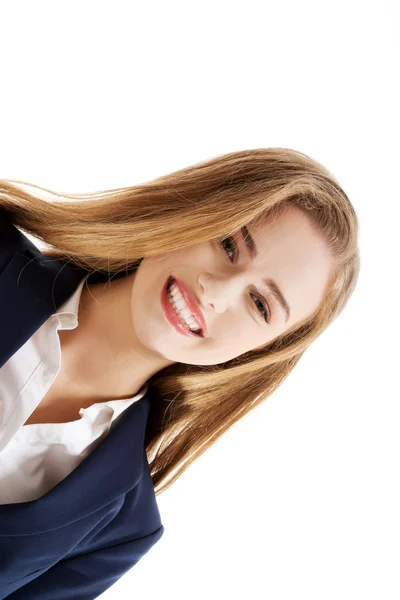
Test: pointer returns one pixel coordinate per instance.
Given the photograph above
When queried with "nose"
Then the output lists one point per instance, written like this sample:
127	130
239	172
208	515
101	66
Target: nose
218	294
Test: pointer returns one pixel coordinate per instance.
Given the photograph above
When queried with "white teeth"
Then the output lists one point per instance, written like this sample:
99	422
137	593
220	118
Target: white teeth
179	305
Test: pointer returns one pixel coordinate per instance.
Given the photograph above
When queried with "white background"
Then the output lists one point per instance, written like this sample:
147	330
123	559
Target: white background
301	498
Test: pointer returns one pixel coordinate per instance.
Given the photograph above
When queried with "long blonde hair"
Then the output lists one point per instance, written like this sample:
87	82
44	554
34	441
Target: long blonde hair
113	230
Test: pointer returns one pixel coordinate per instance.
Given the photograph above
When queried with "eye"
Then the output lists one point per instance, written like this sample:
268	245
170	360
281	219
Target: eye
265	312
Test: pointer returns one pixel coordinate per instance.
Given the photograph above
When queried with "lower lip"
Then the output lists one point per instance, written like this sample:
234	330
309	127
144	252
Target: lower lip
172	317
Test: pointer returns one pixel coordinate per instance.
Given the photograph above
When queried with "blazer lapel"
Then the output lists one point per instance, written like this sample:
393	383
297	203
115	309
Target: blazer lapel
32	287
112	470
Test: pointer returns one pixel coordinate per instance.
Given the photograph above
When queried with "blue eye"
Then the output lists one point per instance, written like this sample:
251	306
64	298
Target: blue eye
267	313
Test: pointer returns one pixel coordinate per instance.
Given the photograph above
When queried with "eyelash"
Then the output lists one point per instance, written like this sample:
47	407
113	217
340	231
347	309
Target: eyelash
267	318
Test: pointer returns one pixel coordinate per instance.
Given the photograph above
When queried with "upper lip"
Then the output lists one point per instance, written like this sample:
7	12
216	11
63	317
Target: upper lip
192	304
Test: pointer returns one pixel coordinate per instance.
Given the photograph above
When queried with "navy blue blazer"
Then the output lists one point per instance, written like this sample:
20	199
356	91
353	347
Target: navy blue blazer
81	536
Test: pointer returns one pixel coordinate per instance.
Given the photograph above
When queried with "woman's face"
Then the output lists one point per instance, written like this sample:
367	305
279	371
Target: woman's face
241	312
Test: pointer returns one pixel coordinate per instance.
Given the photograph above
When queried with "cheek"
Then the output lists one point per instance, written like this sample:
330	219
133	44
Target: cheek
233	338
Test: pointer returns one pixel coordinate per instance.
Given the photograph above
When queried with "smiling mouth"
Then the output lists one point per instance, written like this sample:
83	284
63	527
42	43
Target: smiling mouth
199	332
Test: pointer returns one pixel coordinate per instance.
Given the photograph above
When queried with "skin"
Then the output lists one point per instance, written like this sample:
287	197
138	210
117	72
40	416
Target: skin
123	338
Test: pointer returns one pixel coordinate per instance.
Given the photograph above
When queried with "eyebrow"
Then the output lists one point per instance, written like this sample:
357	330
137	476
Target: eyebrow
268	282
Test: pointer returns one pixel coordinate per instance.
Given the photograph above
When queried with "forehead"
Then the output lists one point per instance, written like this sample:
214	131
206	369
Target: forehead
288	226
292	253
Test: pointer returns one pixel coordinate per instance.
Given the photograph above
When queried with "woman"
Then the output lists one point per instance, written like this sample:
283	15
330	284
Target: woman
196	295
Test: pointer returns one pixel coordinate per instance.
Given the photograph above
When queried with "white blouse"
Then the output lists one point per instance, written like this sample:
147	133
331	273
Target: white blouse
35	457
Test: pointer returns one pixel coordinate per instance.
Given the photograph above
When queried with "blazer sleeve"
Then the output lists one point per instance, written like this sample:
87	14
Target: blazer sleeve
86	576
